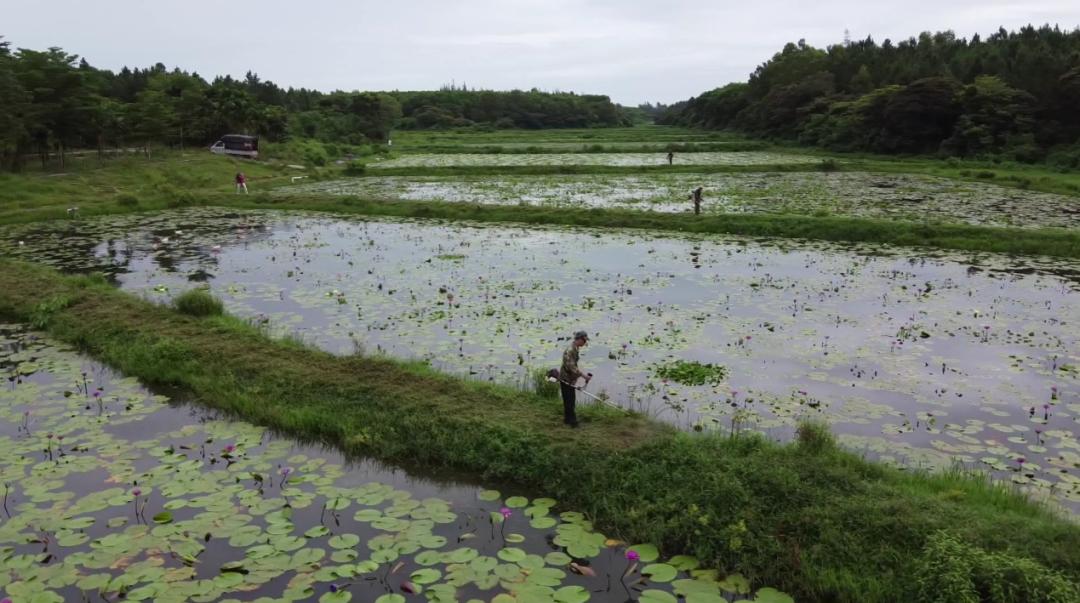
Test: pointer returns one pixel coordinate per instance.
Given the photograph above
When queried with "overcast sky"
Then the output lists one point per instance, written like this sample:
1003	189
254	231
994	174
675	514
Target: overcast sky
632	50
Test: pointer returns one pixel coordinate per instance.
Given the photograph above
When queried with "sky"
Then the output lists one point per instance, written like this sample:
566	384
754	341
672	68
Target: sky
631	50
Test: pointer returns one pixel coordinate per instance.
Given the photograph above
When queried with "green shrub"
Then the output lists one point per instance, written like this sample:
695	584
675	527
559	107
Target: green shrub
543	387
43	312
951	571
198	303
355	168
815	436
986	175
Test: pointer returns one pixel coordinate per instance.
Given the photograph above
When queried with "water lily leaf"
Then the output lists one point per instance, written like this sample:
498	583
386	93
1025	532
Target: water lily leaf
659	572
390	598
307	557
571	594
684	563
425	576
735	583
384	556
341	596
367	515
557	558
344	556
656	596
514	538
511	554
771	595
647	552
337	504
79	523
462	555
428	558
705	598
344	541
317	531
543	523
163	517
366	567
516	502
489	495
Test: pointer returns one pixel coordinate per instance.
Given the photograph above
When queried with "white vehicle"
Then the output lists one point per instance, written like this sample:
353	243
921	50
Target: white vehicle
237	144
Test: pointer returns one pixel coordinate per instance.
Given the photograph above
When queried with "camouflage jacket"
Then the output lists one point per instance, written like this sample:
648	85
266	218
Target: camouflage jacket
570	372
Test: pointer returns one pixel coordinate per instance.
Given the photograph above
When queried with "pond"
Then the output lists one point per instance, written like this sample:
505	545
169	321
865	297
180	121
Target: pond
112	489
861	194
919	358
423	160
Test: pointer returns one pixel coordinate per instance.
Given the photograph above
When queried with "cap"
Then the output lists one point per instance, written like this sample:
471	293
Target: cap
581	335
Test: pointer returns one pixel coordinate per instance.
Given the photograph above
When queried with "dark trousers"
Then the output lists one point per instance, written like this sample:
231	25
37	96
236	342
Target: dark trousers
569	398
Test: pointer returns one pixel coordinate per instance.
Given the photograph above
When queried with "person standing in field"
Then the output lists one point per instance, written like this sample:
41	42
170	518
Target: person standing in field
241	183
696	197
670	157
569	374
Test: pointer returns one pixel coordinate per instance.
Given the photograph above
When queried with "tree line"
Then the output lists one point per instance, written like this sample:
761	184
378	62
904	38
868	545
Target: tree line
1012	94
52	101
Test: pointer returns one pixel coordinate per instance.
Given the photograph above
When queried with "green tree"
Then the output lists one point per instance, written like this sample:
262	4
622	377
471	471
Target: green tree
14	106
151	118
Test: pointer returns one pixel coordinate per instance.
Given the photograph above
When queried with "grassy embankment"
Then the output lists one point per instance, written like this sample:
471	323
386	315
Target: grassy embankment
176	180
809	518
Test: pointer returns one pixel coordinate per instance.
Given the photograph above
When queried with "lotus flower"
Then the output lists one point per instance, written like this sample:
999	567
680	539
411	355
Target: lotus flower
136	492
506	512
632	555
230	448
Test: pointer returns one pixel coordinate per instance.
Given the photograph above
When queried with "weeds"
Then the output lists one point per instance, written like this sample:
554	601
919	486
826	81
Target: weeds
198	303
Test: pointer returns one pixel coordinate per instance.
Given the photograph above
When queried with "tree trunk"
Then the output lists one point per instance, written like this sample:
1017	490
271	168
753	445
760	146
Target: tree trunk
60	147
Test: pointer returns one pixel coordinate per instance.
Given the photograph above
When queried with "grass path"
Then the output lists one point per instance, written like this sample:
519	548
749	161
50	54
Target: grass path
808	518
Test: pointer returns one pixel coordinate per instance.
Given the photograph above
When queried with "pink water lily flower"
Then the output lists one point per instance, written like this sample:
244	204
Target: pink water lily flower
506	512
632	555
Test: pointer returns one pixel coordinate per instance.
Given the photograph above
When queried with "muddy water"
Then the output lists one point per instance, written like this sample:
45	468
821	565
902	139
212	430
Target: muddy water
922	359
109	487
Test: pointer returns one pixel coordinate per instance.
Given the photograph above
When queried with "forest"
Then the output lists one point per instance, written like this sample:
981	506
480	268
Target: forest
1012	95
52	101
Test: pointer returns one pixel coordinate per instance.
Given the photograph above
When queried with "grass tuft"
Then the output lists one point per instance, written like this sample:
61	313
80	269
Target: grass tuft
815	436
198	303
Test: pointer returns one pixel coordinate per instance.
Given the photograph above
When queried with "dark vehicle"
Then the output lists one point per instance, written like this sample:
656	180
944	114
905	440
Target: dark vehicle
237	144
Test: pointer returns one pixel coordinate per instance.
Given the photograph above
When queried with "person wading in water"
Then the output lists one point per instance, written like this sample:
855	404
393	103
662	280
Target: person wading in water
670	158
569	374
696	197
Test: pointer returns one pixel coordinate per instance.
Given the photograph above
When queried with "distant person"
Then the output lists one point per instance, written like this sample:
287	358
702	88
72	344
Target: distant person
670	158
569	374
696	197
241	183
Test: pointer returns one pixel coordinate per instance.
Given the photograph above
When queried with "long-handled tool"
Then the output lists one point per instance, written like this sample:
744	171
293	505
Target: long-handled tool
553	377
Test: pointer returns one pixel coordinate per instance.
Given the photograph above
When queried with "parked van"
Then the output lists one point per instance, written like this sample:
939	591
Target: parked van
237	144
